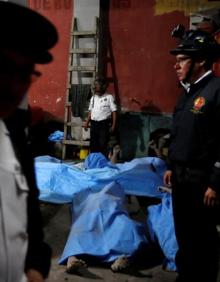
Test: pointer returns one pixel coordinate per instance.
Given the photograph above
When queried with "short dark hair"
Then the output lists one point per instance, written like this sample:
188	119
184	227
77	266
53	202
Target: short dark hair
103	82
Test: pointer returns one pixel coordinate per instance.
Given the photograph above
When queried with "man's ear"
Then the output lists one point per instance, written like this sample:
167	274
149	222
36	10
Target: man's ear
201	62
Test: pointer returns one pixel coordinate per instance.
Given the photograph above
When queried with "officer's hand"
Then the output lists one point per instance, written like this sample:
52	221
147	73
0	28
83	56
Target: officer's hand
34	276
210	198
167	178
85	126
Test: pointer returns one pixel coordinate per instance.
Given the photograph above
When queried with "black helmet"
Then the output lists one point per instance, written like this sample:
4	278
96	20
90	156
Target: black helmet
196	43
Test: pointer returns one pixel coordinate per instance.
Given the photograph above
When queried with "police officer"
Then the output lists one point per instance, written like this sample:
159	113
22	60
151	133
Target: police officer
194	157
25	40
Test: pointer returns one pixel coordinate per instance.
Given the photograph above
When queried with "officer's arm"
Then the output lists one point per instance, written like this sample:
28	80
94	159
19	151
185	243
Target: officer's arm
214	180
114	119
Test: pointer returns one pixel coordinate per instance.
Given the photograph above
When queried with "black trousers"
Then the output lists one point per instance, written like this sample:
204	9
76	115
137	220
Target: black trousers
99	136
195	226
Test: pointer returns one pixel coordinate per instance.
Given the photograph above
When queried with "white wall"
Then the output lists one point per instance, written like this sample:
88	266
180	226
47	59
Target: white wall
85	11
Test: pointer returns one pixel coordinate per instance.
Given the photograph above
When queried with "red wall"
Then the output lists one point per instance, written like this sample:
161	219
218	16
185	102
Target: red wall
49	91
141	42
140	48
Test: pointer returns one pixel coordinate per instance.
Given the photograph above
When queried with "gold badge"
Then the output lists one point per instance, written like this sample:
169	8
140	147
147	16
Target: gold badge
198	104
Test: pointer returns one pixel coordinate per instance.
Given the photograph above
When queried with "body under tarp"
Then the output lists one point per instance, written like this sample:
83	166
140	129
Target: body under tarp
101	226
160	226
59	182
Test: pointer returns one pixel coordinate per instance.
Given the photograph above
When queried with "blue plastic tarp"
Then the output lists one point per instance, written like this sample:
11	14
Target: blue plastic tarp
101	226
161	229
97	197
97	160
59	182
56	136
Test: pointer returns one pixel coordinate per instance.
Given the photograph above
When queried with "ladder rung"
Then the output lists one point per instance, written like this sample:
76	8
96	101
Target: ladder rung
82	68
76	142
73	124
84	33
83	51
69	123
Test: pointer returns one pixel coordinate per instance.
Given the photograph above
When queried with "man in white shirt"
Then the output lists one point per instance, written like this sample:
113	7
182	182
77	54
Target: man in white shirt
26	37
102	115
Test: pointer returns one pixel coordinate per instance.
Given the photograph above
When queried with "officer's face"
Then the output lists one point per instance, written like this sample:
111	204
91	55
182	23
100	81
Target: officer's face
16	72
182	66
98	89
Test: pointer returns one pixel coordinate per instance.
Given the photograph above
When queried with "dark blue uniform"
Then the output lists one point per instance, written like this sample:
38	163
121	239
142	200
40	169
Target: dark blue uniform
194	157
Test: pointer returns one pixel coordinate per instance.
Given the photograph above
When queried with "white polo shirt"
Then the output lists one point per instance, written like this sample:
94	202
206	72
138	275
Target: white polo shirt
101	107
13	212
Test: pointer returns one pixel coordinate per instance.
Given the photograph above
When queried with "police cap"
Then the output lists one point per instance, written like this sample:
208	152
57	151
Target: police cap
25	31
197	43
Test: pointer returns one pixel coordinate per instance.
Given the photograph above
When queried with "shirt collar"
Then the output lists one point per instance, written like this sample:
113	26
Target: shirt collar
203	76
187	85
3	128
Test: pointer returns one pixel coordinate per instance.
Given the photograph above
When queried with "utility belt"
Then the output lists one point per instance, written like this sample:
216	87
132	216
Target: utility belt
108	120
